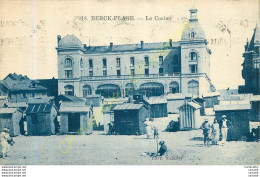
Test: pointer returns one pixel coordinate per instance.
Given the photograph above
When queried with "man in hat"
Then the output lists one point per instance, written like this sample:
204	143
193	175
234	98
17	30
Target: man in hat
5	139
162	149
224	128
206	132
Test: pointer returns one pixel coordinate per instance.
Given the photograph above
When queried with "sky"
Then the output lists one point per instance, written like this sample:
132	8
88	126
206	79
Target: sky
29	29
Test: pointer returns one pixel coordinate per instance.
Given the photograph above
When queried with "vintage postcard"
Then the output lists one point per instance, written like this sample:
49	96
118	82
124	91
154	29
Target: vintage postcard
134	82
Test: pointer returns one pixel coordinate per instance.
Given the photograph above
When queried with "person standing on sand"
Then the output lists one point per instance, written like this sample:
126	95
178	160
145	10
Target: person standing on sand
148	128
5	140
215	132
206	132
224	128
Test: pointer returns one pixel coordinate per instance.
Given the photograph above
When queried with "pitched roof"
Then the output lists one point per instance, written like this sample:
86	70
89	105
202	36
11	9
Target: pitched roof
17	105
69	98
192	104
8	110
41	100
20	82
230	107
73	107
131	47
15	76
128	106
39	108
157	101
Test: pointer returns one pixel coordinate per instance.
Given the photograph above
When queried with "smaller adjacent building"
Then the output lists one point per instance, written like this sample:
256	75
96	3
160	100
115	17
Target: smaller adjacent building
41	116
189	114
157	107
238	115
10	118
76	118
129	118
211	99
174	101
19	88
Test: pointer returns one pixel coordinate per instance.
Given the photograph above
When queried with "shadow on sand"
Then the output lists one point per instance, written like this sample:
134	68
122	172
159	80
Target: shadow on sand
197	139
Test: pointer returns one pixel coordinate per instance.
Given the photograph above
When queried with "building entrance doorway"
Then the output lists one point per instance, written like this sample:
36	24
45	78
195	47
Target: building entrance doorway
73	122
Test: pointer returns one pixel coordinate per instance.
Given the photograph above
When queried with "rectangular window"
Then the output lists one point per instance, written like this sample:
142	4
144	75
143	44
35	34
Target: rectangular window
146	60
91	73
132	61
118	72
193	68
118	62
104	72
146	71
90	63
68	73
104	63
161	71
256	64
160	60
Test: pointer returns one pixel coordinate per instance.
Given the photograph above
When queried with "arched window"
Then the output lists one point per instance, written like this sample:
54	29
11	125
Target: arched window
193	87
86	90
192	35
109	91
68	62
128	88
152	89
69	90
193	56
81	63
174	87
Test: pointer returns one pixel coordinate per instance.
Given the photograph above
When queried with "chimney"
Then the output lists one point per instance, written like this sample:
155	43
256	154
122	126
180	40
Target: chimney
111	46
142	44
170	43
85	46
58	38
246	46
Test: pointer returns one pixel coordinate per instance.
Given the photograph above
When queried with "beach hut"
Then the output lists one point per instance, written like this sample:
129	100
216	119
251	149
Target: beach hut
189	116
41	114
129	118
10	118
157	107
76	118
238	115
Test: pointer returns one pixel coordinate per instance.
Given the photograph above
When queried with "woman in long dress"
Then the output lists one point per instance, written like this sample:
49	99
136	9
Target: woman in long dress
149	130
215	132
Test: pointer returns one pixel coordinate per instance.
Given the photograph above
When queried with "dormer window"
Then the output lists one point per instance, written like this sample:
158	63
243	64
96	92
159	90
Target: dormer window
192	35
68	62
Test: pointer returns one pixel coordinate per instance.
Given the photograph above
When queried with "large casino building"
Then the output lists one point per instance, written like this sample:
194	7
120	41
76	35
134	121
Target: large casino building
154	68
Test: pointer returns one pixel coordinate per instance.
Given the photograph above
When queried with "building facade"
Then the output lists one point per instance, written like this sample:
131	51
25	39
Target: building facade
155	68
19	88
251	65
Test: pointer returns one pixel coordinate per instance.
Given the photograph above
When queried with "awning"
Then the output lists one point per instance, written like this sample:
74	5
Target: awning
108	87
151	86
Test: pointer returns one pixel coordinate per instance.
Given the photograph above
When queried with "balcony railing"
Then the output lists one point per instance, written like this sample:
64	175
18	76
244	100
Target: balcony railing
128	76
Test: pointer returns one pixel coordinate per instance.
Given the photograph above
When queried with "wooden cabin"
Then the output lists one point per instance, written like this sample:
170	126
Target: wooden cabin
76	118
189	114
129	118
157	107
10	118
41	114
238	115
